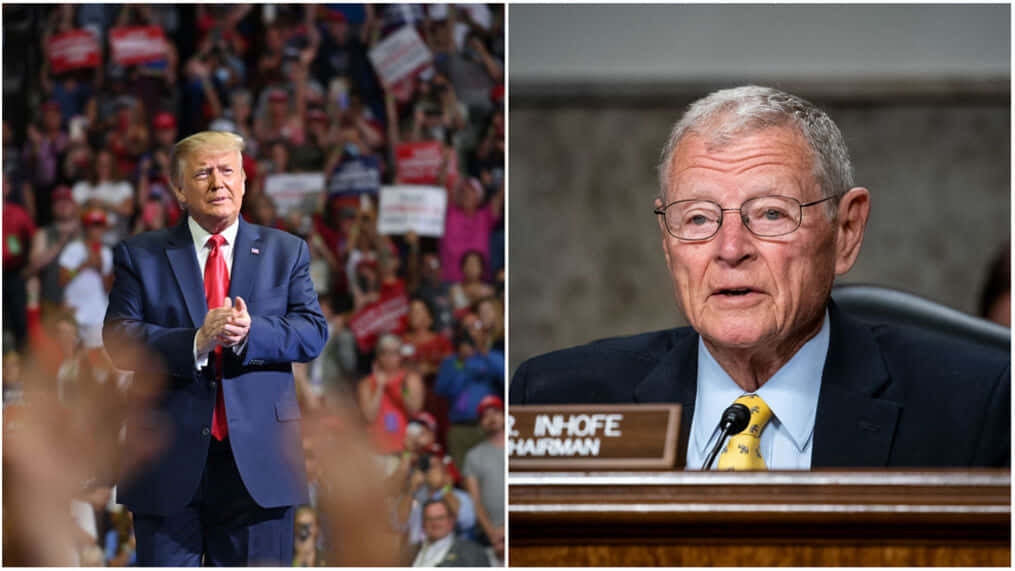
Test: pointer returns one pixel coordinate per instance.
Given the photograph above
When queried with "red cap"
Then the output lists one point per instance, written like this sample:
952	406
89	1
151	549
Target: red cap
278	95
51	105
165	120
62	192
426	419
94	216
489	401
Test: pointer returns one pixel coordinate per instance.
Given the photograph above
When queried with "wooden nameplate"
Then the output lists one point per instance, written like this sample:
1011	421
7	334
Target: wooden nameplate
593	437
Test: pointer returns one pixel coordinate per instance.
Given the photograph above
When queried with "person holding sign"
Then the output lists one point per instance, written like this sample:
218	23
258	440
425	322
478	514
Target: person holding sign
757	215
467	226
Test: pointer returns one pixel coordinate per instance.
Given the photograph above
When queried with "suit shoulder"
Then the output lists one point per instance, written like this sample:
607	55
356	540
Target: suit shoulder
952	393
147	240
468	553
289	240
930	354
597	372
957	383
643	345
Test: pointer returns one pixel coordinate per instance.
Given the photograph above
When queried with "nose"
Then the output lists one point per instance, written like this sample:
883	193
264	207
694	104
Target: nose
734	242
215	179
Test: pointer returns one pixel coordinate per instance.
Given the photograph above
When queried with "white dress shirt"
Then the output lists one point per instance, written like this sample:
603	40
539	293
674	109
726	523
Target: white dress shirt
792	394
431	554
202	249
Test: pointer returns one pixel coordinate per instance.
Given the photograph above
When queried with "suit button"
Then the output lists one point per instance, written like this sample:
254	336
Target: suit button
212	384
205	431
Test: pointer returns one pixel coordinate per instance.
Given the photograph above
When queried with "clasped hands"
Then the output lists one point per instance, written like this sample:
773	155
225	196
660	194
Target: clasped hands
227	326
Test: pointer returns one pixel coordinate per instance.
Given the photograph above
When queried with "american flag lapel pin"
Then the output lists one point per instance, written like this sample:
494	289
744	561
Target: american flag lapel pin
255	251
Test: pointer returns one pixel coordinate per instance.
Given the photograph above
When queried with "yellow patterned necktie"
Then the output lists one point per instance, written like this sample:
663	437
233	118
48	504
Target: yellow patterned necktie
743	451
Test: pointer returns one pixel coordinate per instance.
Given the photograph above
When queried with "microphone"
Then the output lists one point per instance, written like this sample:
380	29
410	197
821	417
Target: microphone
734	419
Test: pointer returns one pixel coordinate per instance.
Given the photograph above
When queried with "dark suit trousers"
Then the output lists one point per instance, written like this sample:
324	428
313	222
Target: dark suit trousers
222	525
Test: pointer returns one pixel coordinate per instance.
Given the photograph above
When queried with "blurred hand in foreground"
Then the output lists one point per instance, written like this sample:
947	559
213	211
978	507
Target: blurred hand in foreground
352	495
52	451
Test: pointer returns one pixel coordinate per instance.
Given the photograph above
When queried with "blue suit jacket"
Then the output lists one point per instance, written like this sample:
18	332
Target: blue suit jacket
890	396
158	300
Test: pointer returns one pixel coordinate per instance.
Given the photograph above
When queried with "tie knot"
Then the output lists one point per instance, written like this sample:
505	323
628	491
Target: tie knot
760	414
216	240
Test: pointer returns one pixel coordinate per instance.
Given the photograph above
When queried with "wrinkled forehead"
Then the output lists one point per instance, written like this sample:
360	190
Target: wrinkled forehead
764	154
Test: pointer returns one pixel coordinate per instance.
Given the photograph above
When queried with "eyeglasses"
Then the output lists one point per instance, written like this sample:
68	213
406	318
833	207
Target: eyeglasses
765	216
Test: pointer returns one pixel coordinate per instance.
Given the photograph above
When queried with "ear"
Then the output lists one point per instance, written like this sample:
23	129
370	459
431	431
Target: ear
663	234
243	174
180	197
854	209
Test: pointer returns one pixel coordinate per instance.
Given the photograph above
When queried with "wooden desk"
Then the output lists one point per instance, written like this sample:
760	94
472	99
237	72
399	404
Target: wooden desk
883	518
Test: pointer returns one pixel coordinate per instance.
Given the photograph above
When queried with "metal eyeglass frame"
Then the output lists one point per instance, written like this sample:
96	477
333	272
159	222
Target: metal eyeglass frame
722	211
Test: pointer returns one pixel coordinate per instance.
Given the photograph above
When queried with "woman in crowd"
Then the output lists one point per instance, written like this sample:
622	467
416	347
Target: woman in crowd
491	315
467	225
472	288
428	348
390	396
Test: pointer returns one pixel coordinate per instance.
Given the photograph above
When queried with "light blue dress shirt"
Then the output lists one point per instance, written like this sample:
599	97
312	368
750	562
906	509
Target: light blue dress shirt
792	394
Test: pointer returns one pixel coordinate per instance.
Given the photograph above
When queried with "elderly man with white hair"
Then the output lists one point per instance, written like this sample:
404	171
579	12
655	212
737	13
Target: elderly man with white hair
757	215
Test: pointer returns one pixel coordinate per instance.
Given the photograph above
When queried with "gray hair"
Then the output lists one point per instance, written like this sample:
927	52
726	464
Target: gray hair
727	113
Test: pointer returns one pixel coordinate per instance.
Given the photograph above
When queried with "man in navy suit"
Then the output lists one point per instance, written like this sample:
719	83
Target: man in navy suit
758	213
222	491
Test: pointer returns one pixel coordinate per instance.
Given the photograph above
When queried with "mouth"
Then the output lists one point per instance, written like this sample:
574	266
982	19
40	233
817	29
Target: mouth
736	296
734	291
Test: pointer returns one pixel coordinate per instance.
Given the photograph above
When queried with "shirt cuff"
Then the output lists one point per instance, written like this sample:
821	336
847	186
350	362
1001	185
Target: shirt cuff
240	347
200	359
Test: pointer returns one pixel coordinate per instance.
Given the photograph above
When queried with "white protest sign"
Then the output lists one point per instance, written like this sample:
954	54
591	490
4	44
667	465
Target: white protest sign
399	55
411	207
294	191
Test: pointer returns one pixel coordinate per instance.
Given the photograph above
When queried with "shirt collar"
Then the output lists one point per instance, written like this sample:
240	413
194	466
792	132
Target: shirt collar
200	235
431	554
792	393
444	541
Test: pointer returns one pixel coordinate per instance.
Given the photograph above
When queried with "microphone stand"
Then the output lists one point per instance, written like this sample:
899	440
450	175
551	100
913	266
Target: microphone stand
734	419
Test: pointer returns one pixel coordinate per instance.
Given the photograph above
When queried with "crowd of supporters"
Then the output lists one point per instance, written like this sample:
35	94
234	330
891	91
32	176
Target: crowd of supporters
416	321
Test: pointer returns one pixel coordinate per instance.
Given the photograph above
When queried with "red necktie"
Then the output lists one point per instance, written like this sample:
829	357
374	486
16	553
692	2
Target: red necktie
216	285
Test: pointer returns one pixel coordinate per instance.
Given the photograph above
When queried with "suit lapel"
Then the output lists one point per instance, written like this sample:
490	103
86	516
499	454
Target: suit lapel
247	255
183	261
674	380
853	426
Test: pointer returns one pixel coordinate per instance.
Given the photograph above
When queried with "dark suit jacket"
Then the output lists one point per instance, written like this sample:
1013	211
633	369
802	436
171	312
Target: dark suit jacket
890	396
463	553
158	300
